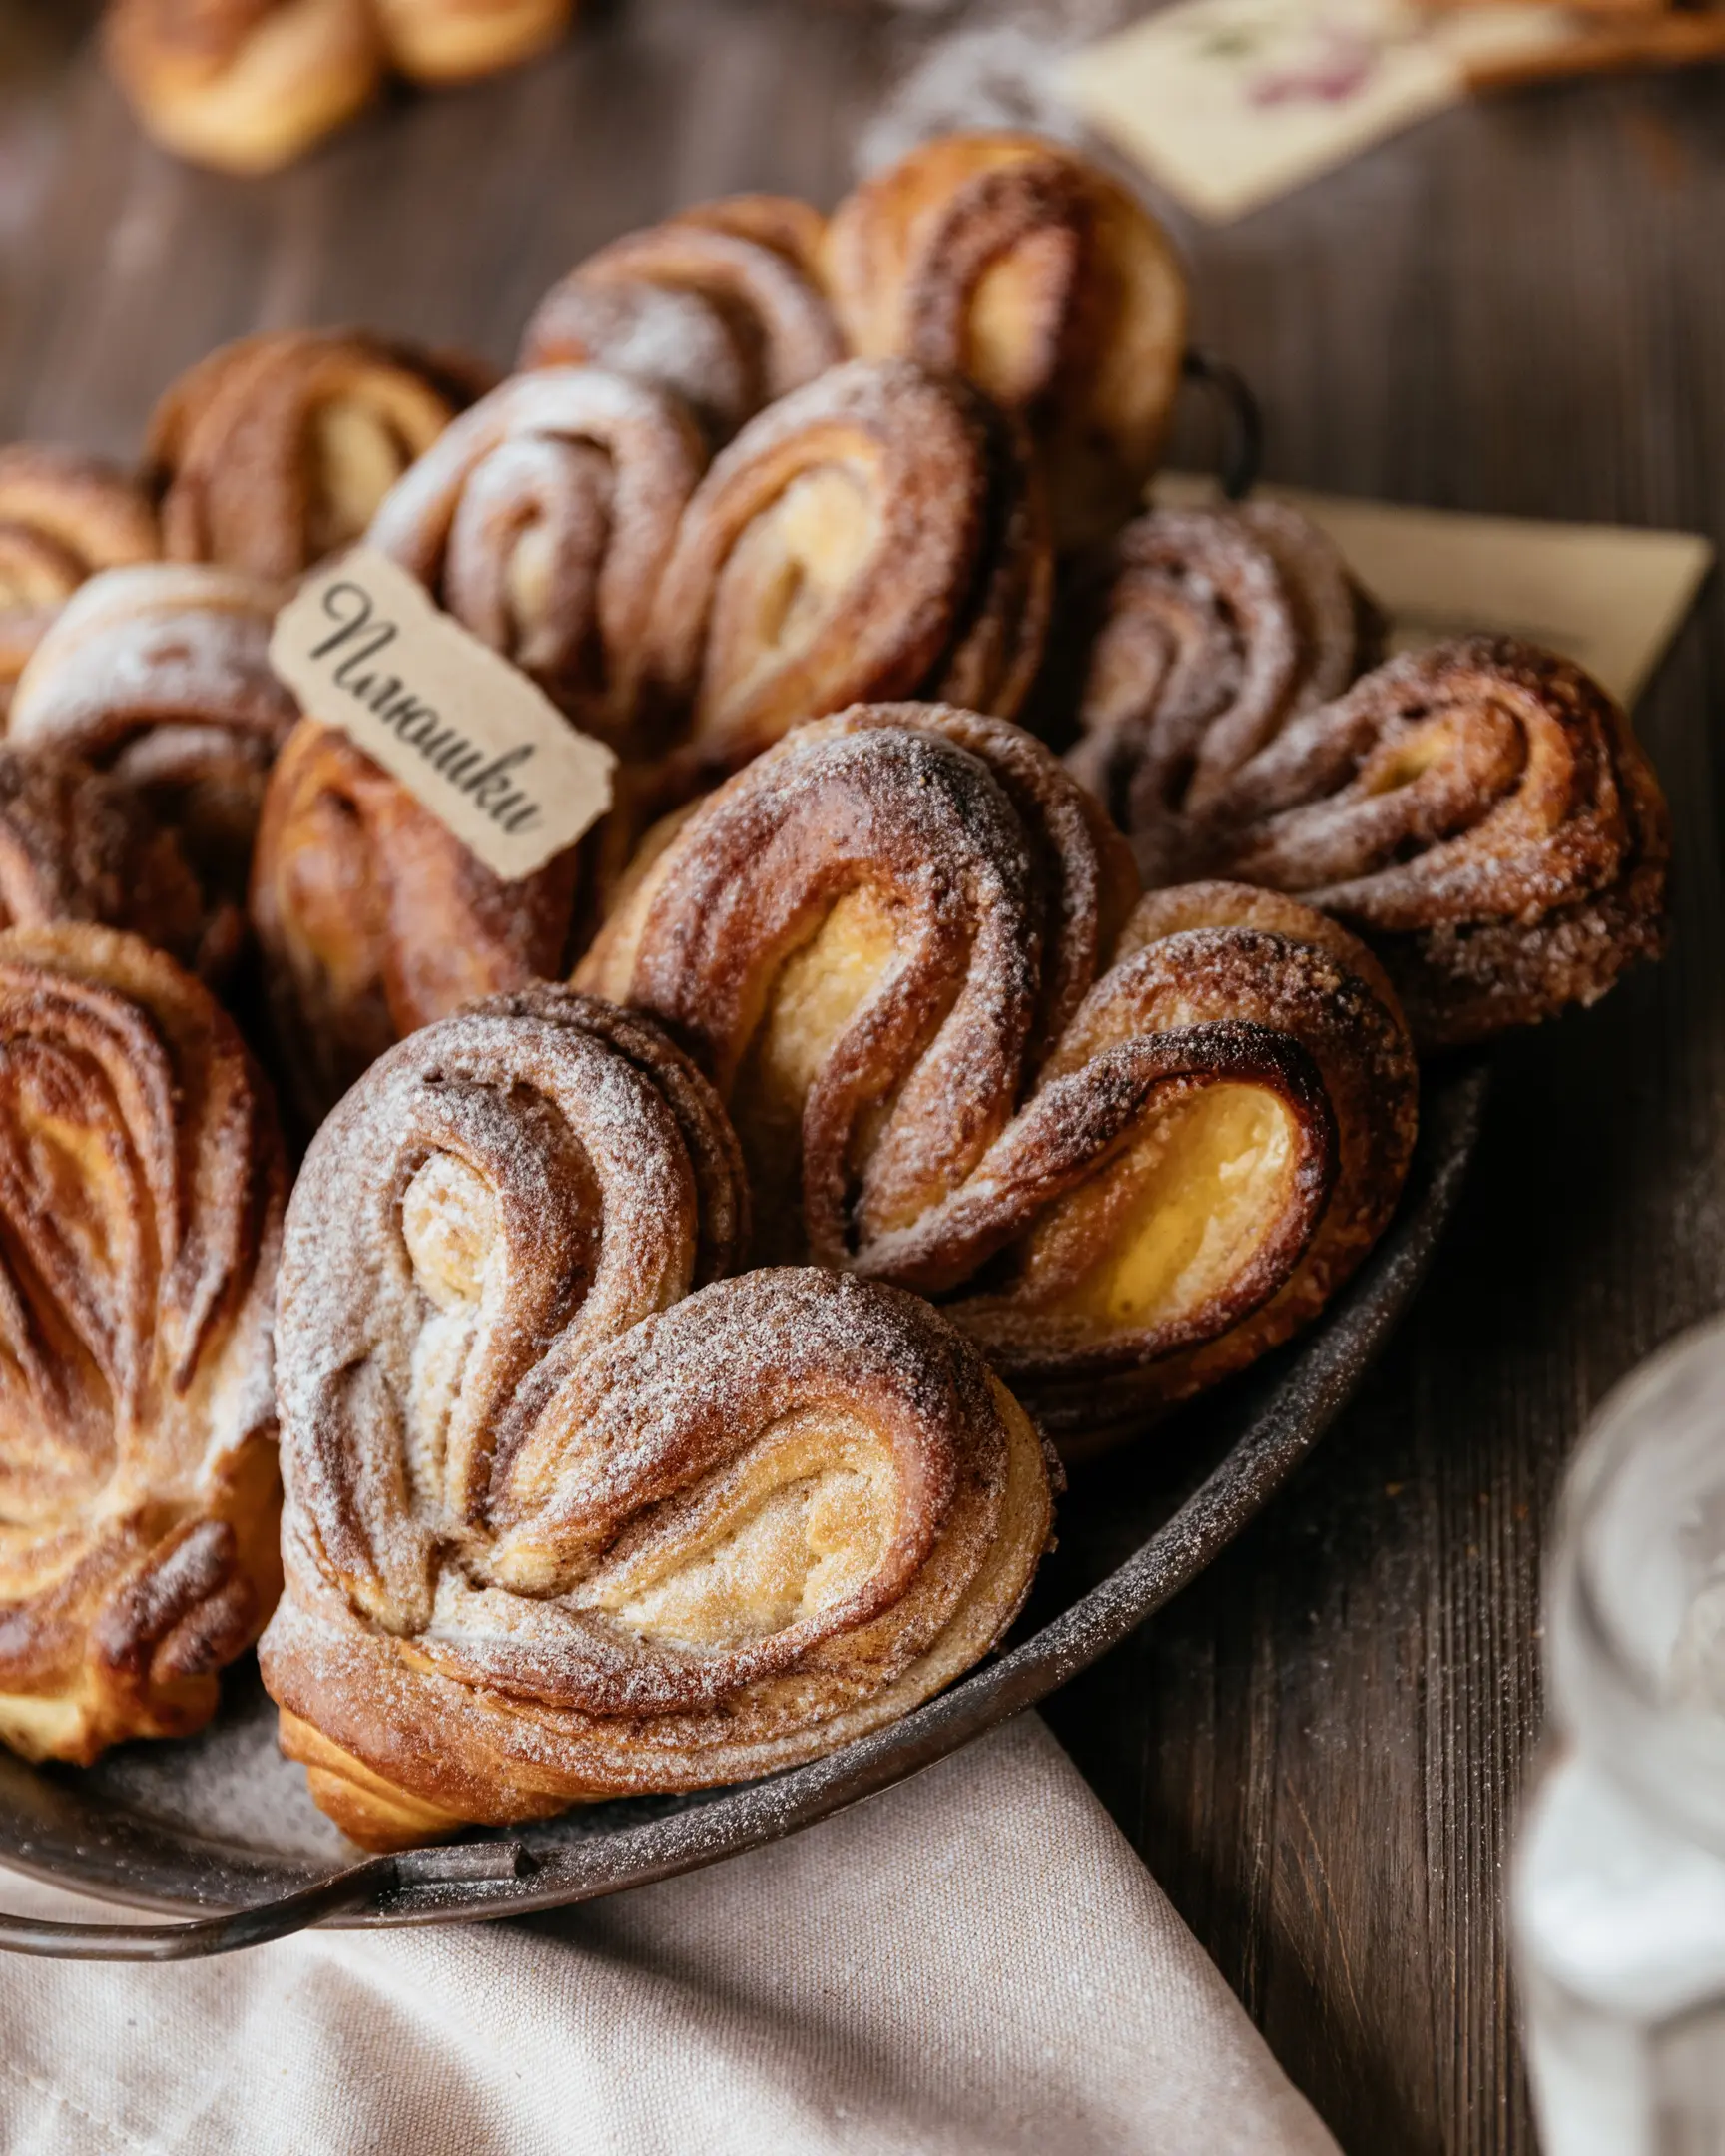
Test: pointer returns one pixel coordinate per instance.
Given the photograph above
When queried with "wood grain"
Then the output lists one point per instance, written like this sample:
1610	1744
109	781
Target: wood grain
1515	307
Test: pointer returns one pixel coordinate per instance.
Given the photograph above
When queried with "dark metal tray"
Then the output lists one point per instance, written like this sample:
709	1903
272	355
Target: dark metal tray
220	1829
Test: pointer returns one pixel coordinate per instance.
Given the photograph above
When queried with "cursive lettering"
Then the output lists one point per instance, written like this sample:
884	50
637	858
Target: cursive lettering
413	721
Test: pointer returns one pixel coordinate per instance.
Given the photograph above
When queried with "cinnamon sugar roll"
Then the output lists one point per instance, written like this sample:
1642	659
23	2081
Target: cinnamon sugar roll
559	1528
719	306
1202	633
161	675
542	520
245	84
1018	264
141	1191
446	41
63	516
276	450
1481	814
875	535
1129	1149
77	847
372	919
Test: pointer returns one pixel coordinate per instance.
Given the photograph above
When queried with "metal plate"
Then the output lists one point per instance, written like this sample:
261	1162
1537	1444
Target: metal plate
222	1823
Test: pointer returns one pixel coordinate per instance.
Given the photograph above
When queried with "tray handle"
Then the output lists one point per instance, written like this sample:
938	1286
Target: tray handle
372	1885
1240	422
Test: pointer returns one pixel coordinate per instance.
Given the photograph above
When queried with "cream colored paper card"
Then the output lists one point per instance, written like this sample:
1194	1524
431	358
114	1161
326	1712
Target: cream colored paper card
1610	597
1229	102
471	738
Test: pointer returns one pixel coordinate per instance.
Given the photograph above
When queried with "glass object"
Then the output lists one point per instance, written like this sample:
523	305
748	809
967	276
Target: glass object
1618	1894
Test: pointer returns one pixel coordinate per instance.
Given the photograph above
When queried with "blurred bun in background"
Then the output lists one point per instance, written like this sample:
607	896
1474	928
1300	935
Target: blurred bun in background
250	85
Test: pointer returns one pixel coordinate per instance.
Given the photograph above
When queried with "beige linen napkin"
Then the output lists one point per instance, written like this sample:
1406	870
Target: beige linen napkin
973	1962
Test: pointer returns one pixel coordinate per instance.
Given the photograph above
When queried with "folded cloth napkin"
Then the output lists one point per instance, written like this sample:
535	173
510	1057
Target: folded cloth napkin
975	1961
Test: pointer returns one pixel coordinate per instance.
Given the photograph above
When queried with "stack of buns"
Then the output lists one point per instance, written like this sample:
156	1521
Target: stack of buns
988	1015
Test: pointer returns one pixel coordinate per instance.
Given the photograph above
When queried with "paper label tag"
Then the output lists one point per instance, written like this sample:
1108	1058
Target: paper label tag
1229	102
365	647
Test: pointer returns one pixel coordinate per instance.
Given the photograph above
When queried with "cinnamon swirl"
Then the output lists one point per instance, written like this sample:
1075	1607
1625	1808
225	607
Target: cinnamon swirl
245	84
1481	814
372	919
275	451
1203	632
1029	270
719	306
1130	1149
141	1190
161	675
77	847
542	520
448	41
63	516
559	1528
874	535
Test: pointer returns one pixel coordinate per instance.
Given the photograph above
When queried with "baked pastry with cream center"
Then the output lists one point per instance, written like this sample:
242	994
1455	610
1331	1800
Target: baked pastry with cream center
1130	1145
63	517
570	1514
244	85
451	41
875	534
1026	268
275	451
140	1194
543	520
159	677
1187	647
719	306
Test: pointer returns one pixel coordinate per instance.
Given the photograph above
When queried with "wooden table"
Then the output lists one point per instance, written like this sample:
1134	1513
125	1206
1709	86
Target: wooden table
1516	308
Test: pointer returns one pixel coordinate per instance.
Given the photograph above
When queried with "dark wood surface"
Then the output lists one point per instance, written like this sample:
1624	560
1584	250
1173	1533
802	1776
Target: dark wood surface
1519	306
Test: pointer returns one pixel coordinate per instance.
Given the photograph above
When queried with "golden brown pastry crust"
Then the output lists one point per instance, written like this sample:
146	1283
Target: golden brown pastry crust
63	517
1018	264
161	676
542	520
276	450
372	919
1198	636
875	535
141	1190
557	1527
1131	1151
245	84
719	306
1481	814
447	40
77	847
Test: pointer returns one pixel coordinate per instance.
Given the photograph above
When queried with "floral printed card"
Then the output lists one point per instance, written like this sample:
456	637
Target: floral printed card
1228	103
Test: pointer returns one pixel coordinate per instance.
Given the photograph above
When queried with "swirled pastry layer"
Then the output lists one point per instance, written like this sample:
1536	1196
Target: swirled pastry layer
542	520
372	919
63	517
560	1528
446	41
159	676
874	535
719	307
244	85
1202	632
276	450
1017	263
1130	1155
140	1194
77	846
1481	814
